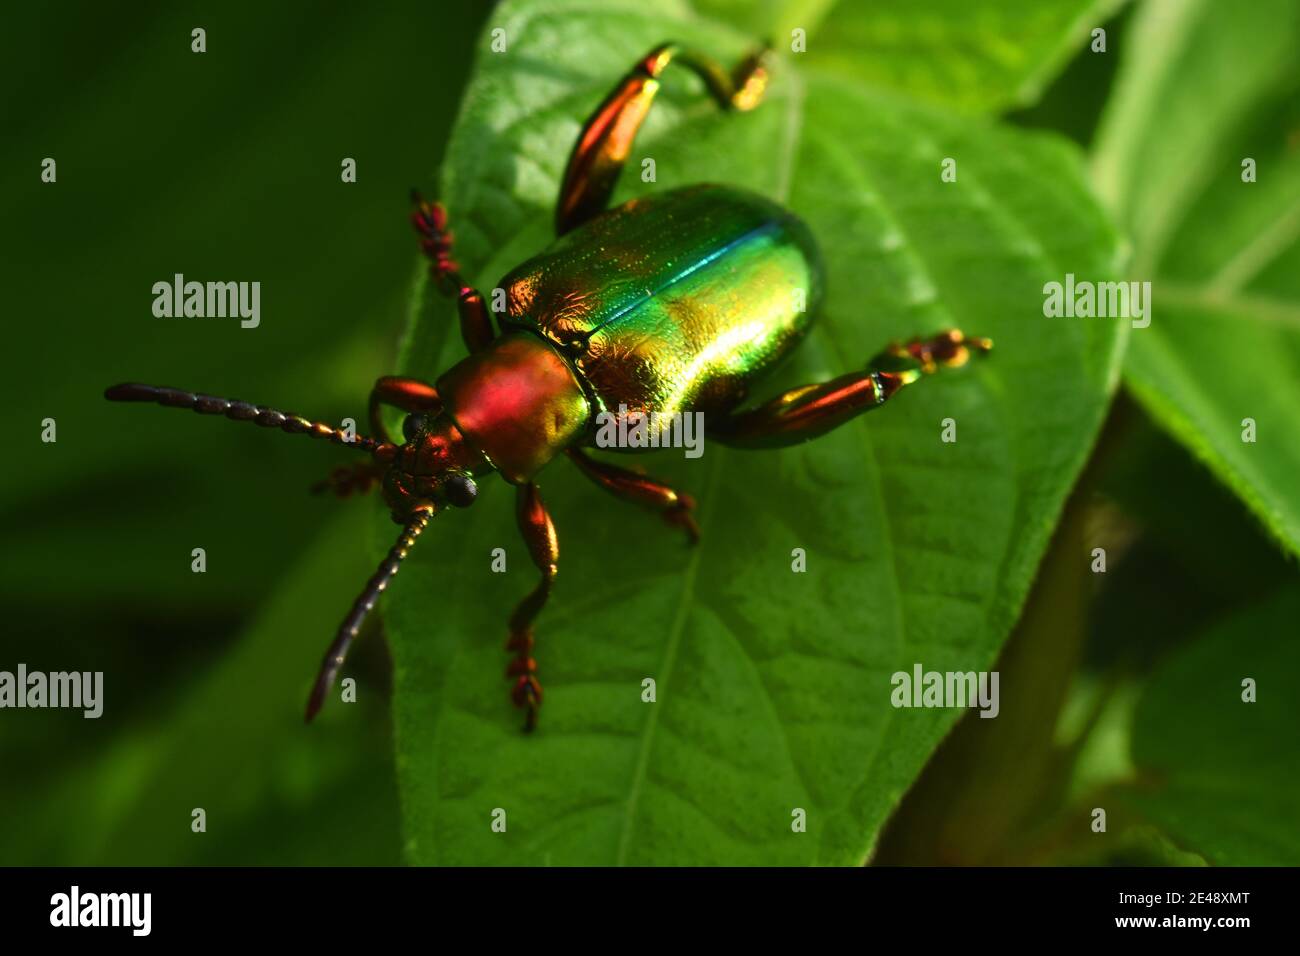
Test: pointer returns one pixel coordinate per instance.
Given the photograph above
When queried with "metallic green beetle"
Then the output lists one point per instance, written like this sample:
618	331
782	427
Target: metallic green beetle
676	302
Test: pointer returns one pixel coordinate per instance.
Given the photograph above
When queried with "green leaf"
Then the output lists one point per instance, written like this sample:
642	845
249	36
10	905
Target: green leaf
1204	86
773	688
975	57
1219	774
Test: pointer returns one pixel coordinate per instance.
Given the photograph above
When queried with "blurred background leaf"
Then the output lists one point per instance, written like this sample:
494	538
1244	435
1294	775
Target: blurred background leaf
1217	773
1188	568
1202	87
773	688
231	741
1090	674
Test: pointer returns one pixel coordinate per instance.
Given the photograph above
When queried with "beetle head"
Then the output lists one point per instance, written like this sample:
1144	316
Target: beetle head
434	468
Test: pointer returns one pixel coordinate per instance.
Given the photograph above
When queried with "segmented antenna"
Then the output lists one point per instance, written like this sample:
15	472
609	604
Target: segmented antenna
239	411
338	650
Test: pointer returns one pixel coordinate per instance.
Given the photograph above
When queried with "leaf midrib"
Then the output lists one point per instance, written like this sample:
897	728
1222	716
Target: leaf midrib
793	130
670	656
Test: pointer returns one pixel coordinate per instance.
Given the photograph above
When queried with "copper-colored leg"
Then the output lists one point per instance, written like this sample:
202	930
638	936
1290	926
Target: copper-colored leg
812	410
674	506
408	394
606	138
539	535
430	221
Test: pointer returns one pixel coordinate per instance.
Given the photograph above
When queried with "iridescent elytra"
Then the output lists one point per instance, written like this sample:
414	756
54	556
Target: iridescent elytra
678	301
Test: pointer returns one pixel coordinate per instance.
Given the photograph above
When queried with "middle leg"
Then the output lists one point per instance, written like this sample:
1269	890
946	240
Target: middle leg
674	506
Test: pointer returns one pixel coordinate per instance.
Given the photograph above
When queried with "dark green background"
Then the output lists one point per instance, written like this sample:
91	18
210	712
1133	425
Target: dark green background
223	166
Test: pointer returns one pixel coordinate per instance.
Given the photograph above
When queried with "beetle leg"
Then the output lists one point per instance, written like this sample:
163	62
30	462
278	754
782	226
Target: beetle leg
675	506
950	349
606	138
430	221
812	410
539	535
408	394
346	480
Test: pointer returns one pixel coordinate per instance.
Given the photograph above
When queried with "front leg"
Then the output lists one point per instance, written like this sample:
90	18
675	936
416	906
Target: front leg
812	410
544	547
430	221
408	394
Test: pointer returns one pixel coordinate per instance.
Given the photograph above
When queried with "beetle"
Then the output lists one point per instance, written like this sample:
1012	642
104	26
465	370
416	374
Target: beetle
674	302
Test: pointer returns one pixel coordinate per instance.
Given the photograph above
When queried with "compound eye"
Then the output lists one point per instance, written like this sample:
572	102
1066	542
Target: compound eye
411	425
460	490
